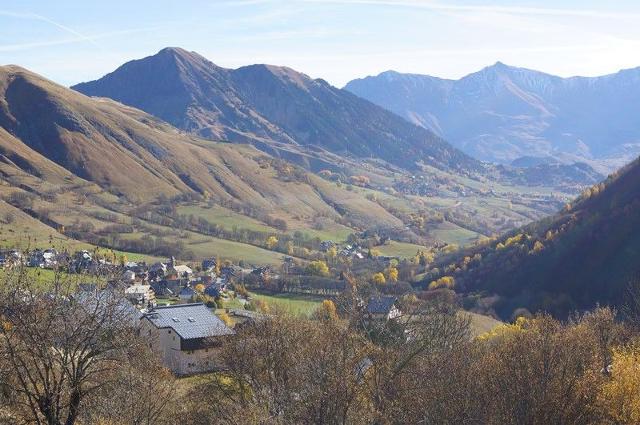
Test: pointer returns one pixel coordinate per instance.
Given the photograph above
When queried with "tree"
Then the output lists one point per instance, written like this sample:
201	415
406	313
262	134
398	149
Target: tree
61	346
226	319
286	370
392	274
138	392
271	242
619	397
378	279
537	247
443	282
332	253
326	311
318	268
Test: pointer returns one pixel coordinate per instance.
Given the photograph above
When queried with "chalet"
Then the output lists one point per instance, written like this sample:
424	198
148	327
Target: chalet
141	296
82	261
383	308
11	258
263	273
327	245
214	290
175	285
187	294
128	276
231	271
45	259
161	289
158	270
182	271
186	336
209	264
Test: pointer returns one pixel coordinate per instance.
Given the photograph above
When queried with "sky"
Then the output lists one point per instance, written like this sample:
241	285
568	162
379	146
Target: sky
70	41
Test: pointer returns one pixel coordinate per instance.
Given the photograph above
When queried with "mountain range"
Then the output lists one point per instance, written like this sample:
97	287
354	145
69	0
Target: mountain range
503	113
281	111
97	171
84	159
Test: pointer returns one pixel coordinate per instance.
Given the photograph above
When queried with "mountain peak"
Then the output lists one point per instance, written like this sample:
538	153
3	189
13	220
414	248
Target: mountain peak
173	51
497	67
181	55
270	106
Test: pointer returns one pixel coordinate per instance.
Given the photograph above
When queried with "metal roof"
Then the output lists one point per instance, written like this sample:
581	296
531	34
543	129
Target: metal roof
189	321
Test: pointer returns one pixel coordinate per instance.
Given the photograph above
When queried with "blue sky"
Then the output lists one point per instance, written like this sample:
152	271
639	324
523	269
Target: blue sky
338	40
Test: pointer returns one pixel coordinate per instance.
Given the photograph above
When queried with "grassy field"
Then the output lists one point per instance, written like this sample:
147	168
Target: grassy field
451	233
295	304
206	247
43	278
400	249
224	217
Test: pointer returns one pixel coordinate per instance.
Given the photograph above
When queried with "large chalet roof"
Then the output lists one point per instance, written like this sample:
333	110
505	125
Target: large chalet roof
190	321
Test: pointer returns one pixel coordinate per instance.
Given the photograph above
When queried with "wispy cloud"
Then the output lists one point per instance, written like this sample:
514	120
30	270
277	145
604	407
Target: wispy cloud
36	17
75	39
430	5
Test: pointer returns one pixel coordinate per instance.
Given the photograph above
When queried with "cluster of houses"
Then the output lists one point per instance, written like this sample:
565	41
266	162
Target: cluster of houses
82	261
354	251
169	280
187	333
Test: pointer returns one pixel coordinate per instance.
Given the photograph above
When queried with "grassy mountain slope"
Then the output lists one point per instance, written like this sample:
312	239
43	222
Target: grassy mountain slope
107	174
131	153
587	254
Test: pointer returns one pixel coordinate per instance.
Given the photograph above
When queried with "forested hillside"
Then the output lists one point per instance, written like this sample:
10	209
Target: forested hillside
587	254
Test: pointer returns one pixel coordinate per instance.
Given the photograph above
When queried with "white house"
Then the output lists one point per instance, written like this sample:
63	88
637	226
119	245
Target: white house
383	308
186	336
142	295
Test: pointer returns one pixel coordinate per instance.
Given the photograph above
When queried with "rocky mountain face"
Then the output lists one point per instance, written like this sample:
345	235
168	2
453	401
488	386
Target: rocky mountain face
275	108
503	113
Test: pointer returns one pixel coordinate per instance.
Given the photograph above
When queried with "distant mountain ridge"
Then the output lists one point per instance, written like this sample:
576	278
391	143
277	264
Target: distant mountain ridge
502	113
274	108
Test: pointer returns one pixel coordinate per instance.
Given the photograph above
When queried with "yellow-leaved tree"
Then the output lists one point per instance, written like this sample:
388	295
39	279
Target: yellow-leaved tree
318	268
326	311
392	274
271	242
378	279
444	282
620	396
